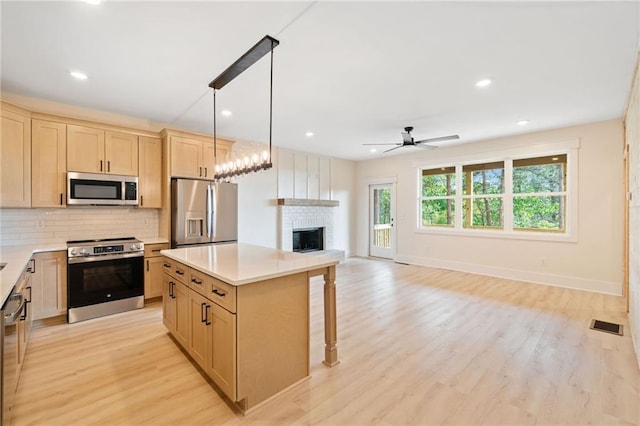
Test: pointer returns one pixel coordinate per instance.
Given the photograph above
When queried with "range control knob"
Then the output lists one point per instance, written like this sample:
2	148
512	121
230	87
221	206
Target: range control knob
136	246
73	252
84	252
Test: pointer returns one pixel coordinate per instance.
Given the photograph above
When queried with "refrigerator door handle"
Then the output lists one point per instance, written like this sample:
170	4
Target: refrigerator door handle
208	217
214	207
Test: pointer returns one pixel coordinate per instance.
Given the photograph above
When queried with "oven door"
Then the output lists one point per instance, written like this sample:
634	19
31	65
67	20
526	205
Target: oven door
100	279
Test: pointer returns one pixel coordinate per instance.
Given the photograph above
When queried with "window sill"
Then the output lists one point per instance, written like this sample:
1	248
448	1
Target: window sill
508	235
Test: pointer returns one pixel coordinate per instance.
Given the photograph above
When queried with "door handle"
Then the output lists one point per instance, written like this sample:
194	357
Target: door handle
218	293
203	315
206	313
108	166
147	266
141	200
61	198
200	172
100	165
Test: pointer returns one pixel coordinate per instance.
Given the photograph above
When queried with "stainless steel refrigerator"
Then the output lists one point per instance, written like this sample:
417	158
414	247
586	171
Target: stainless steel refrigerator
203	212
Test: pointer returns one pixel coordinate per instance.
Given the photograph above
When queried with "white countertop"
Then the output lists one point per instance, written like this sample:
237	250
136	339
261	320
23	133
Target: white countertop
238	264
157	240
16	258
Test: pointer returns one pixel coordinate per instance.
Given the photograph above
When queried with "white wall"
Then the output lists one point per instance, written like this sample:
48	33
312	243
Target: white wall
593	263
258	211
632	127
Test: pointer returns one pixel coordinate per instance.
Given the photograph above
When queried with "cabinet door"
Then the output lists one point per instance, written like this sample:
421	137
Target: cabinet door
15	160
168	303
150	172
85	149
221	359
153	273
183	320
209	161
24	322
48	164
186	157
121	153
200	325
49	287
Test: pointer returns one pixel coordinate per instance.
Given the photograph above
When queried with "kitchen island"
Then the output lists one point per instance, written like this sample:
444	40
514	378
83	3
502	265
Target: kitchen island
241	312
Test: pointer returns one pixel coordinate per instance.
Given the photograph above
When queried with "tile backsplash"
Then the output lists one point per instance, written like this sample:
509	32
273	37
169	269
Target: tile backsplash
36	226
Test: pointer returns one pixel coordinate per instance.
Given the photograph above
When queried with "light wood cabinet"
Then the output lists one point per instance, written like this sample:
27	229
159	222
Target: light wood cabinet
221	356
154	268
150	172
98	151
193	158
15	157
48	164
199	338
49	287
175	303
24	323
121	153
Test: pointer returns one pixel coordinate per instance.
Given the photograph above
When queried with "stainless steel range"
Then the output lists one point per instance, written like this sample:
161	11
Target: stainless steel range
104	277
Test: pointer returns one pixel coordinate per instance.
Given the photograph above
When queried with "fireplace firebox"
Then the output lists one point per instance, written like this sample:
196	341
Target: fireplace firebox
308	239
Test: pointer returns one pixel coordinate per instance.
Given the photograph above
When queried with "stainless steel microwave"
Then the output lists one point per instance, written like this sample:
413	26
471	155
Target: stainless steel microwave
92	189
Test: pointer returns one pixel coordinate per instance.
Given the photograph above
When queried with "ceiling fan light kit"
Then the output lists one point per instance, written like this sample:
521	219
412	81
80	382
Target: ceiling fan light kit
258	160
407	140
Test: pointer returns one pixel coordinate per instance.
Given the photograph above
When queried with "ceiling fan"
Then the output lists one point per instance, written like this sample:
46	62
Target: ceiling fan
407	140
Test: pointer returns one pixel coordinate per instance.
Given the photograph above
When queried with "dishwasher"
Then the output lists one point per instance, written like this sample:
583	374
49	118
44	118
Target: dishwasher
9	317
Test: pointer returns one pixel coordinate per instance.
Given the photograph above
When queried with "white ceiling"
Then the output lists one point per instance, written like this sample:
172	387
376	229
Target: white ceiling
351	72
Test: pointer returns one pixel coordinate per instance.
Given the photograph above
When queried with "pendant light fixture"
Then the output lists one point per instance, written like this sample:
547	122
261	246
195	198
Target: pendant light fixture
257	160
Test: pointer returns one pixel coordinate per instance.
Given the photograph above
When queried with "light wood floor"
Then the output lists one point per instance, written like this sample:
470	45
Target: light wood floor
417	345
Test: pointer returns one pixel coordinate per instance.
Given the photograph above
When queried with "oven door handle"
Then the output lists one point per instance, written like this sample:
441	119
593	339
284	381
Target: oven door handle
86	259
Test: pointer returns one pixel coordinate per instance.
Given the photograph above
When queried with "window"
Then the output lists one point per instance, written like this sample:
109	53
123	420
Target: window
483	195
539	193
437	201
527	196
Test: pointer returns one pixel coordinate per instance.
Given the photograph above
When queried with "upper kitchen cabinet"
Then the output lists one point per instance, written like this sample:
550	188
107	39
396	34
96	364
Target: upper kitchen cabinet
48	163
192	156
150	172
15	156
98	151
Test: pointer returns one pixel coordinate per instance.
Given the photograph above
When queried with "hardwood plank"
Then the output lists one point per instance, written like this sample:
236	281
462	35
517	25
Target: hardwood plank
417	346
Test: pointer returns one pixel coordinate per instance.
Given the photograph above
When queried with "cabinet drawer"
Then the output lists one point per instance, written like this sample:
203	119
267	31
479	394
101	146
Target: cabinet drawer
221	293
153	250
198	282
177	270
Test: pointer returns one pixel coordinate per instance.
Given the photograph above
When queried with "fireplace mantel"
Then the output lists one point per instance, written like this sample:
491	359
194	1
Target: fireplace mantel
306	202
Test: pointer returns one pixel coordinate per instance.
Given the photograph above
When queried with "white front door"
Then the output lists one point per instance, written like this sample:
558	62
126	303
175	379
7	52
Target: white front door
381	223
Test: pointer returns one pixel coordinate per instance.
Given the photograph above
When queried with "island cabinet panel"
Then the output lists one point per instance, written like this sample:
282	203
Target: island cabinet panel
168	303
272	337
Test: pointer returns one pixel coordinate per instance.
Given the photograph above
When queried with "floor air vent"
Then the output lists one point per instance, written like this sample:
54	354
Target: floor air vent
607	327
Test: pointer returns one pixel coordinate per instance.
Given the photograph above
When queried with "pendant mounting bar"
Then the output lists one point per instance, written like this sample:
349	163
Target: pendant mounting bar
264	46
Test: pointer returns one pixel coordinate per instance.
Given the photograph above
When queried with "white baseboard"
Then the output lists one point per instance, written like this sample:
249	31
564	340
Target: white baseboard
606	287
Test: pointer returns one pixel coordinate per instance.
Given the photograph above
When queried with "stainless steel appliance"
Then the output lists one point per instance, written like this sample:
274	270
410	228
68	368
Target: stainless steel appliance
101	190
203	212
104	277
11	312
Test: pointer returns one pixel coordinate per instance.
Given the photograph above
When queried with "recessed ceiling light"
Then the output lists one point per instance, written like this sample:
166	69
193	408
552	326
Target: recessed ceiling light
226	113
308	134
555	158
372	150
484	82
522	122
79	75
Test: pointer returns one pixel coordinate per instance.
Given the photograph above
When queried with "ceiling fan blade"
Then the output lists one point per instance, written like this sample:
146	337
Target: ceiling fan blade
381	144
429	147
440	139
389	150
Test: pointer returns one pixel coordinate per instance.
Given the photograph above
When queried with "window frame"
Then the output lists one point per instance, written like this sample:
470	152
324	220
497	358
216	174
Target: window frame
569	148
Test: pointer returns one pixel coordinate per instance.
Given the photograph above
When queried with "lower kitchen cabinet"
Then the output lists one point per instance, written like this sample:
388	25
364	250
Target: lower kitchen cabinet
23	325
153	269
49	287
221	355
199	308
175	309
